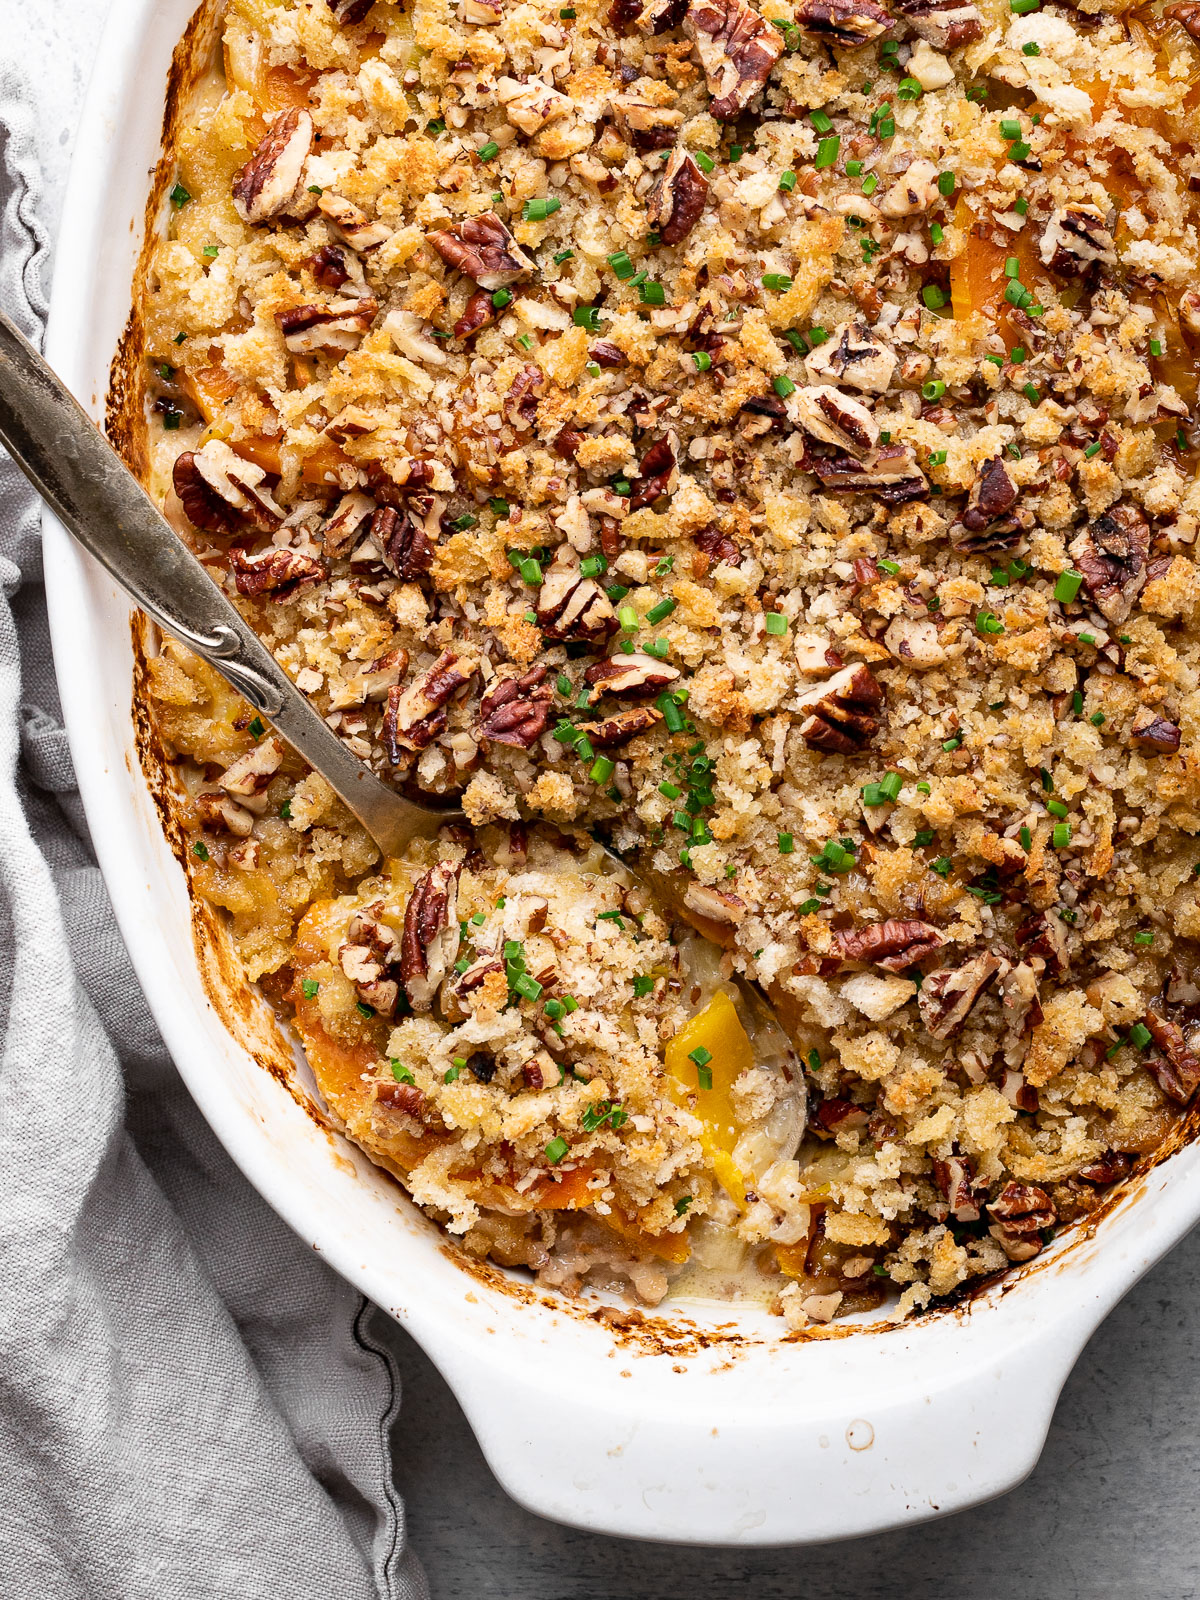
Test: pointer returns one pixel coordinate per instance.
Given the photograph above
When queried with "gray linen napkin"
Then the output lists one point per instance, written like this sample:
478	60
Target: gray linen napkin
191	1404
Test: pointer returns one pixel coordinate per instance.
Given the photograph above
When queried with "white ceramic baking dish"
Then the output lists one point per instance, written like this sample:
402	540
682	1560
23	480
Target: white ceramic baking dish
701	1425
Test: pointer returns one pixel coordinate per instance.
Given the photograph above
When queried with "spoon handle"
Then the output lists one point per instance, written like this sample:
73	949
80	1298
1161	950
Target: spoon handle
93	494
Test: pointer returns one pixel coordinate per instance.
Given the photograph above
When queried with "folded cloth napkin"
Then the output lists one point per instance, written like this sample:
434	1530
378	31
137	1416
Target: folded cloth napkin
191	1403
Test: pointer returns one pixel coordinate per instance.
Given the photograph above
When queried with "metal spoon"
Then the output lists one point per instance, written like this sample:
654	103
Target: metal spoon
93	493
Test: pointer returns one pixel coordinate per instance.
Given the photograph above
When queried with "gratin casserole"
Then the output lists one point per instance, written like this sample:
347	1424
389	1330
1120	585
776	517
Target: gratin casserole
760	439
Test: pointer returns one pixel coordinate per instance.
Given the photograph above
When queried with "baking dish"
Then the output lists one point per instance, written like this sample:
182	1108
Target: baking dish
699	1425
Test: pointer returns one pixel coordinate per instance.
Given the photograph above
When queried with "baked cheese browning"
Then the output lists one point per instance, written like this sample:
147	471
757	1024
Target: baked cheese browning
762	434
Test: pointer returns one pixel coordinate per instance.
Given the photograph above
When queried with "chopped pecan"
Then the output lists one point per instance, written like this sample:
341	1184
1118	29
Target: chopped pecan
1022	1212
483	248
379	675
890	473
475	976
1075	239
429	945
337	326
349	13
658	473
217	811
1111	554
834	418
837	1114
1187	14
480	13
251	774
715	905
274	571
402	542
737	49
515	710
606	354
530	106
852	356
946	997
328	267
632	676
570	606
480	1065
521	401
265	185
841	712
352	225
1177	1070
368	958
891	944
717	546
945	24
416	715
914	640
1111	1167
651	16
404	1097
646	126
992	494
346	523
848	22
1019	1094
956	1179
914	191
220	492
1154	733
675	204
1045	935
620	727
477	313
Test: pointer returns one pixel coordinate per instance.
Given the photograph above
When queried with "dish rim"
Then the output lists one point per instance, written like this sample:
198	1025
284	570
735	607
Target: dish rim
1009	1350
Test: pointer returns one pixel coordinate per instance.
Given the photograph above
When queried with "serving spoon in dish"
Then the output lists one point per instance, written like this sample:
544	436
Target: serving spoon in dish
97	498
93	494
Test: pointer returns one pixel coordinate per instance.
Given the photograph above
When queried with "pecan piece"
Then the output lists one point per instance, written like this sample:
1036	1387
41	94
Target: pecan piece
645	125
483	248
250	775
634	676
402	542
848	22
852	356
992	494
337	326
834	418
352	226
516	710
265	185
945	24
275	572
622	726
429	945
1045	935
890	473
675	203
1111	554
1022	1212
328	267
530	106
841	712
652	17
956	1179
1154	734
368	958
1187	14
1075	240
416	715
404	1097
344	526
737	49
946	997
716	546
218	811
570	606
1111	1167
477	313
658	473
349	13
891	944
220	492
715	905
1177	1070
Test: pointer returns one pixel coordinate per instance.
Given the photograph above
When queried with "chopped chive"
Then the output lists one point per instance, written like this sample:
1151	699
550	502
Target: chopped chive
621	264
538	210
704	161
1021	206
1056	808
179	197
783	386
364	1010
946	182
490	149
502	298
602	769
310	987
1097	719
936	233
827	151
775	623
556	1150
672	715
853	168
943	866
670	791
1143	938
890	567
661	611
1067	586
933	297
908	89
700	1056
933	390
787	180
564	255
211	250
870	183
584	317
787	844
702	360
704	1079
652	294
1060	838
779	281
